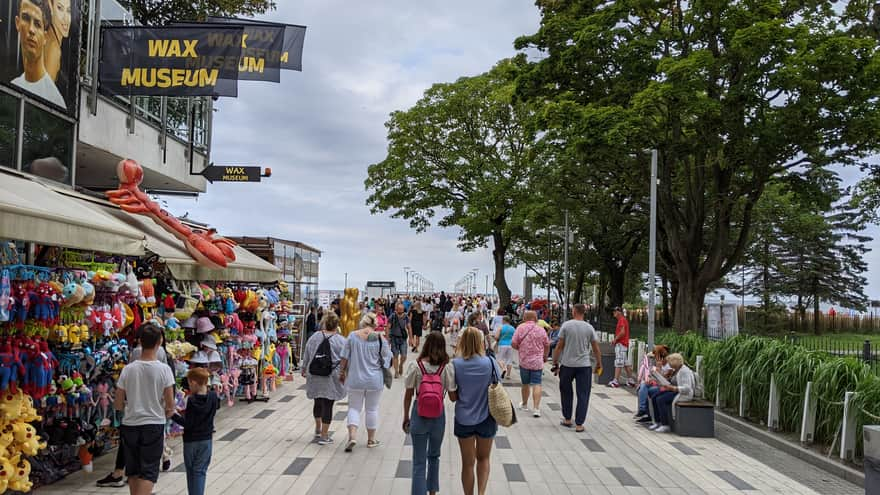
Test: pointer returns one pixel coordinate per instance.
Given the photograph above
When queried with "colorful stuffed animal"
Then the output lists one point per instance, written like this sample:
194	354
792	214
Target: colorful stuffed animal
21	471
26	439
6	437
5	295
6	473
10	405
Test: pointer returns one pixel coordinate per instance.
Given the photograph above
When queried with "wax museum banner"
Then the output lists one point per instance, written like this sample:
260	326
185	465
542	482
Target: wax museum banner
294	38
171	60
261	50
39	49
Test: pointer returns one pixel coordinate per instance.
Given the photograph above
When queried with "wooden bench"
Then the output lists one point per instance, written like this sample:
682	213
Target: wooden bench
694	419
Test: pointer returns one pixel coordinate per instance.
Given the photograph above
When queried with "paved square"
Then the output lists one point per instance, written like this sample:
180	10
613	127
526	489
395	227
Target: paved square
277	455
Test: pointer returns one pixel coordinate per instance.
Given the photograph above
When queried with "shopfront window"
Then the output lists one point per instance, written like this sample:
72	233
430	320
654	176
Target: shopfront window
47	145
8	128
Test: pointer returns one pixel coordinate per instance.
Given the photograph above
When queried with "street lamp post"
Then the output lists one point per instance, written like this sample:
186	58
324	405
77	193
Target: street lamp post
652	251
567	238
406	279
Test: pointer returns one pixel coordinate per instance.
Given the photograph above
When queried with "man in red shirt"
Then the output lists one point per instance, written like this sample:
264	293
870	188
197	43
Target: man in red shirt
621	350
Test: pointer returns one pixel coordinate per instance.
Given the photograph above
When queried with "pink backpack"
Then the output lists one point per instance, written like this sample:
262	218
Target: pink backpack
430	394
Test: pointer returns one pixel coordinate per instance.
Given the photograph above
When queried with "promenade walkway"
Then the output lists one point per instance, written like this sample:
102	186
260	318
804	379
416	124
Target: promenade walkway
268	448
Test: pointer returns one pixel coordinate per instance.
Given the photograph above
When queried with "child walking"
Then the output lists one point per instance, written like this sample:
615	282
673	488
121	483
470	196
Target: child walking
198	428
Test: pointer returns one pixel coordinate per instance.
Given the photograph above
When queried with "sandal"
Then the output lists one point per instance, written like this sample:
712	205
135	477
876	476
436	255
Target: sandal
350	446
373	443
567	425
580	429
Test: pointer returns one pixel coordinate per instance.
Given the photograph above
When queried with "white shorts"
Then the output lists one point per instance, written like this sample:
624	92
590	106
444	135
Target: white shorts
505	353
620	354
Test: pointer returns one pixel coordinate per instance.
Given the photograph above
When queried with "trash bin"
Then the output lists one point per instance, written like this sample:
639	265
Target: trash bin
607	363
872	459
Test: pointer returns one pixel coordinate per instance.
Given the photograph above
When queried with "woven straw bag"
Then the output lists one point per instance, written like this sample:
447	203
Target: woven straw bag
500	406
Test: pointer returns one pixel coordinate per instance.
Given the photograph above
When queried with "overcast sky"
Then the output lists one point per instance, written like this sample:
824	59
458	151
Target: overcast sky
319	130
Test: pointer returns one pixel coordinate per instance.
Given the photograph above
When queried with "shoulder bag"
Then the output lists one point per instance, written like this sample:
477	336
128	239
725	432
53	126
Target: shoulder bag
500	406
387	379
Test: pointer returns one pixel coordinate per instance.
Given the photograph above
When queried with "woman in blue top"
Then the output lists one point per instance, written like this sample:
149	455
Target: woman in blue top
474	427
365	354
504	337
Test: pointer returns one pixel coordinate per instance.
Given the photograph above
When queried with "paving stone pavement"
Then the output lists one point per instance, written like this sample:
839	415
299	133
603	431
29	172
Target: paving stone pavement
268	448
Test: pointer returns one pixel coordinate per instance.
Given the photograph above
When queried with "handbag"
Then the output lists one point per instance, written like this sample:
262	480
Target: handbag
500	405
387	379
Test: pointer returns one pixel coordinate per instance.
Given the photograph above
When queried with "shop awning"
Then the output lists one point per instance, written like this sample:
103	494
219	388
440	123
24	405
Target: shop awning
247	266
33	212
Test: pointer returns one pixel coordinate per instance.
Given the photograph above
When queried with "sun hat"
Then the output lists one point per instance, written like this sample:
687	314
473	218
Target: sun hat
199	357
204	325
189	322
209	342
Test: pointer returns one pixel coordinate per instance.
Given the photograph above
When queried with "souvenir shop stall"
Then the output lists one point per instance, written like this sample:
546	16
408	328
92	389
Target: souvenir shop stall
78	276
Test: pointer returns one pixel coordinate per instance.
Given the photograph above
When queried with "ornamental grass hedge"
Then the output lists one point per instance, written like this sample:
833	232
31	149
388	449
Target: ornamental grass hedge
751	360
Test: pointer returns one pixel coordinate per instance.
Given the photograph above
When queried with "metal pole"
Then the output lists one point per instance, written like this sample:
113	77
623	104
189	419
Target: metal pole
565	269
652	251
549	248
346	280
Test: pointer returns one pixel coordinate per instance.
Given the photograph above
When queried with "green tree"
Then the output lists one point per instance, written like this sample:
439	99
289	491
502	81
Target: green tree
733	94
464	153
809	246
161	12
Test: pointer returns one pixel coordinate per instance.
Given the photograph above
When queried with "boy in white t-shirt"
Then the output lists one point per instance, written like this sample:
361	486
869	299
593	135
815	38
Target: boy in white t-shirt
145	391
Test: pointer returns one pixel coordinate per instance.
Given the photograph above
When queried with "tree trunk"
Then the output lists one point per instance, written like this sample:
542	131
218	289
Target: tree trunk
579	284
664	297
499	253
616	282
689	307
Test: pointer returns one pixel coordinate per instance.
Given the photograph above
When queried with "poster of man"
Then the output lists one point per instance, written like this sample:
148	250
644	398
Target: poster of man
40	49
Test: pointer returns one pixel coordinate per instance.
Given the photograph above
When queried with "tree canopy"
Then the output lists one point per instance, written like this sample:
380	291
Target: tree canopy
161	12
461	158
733	94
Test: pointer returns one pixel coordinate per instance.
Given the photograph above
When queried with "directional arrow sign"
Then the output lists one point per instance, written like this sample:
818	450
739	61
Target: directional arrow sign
231	173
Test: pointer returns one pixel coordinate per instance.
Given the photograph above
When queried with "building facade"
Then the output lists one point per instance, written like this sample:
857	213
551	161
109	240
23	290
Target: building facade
76	134
299	263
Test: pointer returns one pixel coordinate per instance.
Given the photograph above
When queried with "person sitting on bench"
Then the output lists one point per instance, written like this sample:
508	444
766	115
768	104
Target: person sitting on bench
653	363
680	389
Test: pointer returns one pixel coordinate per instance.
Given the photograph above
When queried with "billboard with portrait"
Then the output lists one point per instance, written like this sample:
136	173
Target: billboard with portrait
39	49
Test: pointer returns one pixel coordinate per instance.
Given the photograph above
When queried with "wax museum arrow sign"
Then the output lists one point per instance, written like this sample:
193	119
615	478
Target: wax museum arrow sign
233	173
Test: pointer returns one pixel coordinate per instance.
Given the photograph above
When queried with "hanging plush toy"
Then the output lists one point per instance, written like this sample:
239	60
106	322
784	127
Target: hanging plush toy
5	295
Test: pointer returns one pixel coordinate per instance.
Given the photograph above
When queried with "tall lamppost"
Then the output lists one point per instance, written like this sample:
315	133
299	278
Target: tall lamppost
652	250
406	278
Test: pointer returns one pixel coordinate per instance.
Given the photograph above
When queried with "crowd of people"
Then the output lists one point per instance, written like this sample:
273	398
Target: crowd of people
462	345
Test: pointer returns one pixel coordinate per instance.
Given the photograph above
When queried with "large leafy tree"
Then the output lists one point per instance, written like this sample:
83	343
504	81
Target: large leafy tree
733	94
463	153
161	12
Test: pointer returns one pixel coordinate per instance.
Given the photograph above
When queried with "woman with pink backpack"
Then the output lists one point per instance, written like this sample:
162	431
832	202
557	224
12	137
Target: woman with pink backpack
429	378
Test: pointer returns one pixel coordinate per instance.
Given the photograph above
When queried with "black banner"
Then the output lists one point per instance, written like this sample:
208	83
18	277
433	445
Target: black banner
39	49
171	60
261	51
232	173
294	39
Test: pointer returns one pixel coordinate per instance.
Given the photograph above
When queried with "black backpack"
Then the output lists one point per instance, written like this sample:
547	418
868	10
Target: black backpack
437	321
322	364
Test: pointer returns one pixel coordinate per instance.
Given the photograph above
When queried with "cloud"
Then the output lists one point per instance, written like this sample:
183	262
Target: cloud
320	129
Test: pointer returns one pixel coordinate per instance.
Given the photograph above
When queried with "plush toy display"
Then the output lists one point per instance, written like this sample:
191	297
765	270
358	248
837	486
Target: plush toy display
64	339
